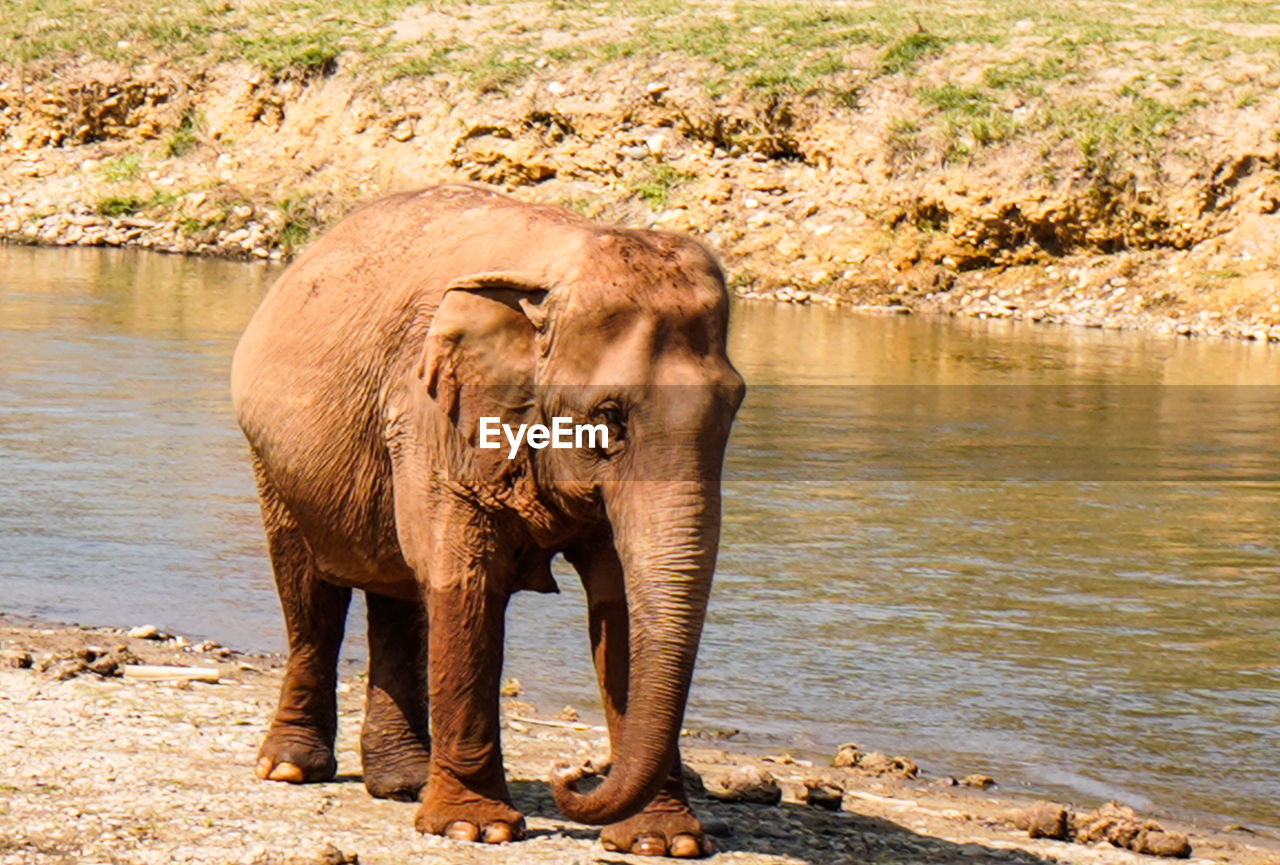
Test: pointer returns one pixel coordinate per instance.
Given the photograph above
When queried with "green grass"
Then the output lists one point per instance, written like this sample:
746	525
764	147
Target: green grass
950	97
120	205
655	187
903	55
304	52
903	141
1107	129
121	168
183	139
130	204
302	220
758	47
969	118
1025	73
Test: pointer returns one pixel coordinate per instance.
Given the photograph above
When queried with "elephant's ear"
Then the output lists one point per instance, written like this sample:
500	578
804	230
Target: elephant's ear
480	351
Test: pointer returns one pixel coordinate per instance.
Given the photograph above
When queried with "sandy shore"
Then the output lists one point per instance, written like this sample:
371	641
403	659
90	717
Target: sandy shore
105	768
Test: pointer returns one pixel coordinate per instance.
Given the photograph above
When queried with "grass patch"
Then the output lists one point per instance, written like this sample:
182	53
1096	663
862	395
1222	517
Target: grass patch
656	186
190	225
437	59
588	207
1134	123
903	141
969	118
949	97
771	48
183	139
121	168
120	205
1024	73
304	53
302	221
765	47
903	55
128	205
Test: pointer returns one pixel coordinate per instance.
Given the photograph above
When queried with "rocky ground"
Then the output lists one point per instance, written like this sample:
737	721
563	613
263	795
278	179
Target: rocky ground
1107	166
99	765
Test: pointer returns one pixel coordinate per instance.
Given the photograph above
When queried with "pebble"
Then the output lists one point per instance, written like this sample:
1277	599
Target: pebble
147	632
822	793
749	784
1044	820
847	755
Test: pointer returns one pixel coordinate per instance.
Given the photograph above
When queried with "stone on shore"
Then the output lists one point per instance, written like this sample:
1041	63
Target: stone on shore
749	784
821	793
847	755
147	632
1045	820
1122	827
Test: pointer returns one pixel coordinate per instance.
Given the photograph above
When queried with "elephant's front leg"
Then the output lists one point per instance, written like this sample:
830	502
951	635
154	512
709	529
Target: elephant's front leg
466	796
667	826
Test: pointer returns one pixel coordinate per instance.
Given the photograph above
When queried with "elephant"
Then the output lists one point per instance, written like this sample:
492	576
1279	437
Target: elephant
367	383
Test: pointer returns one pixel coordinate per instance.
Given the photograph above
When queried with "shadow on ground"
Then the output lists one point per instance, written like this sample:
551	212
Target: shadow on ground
805	833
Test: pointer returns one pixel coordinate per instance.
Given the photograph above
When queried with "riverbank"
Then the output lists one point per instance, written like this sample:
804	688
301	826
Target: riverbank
100	767
1108	166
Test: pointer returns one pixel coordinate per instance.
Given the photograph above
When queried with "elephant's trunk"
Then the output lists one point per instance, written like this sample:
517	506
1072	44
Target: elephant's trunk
666	535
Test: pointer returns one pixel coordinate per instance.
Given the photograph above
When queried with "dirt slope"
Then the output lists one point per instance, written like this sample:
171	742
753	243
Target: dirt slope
1039	170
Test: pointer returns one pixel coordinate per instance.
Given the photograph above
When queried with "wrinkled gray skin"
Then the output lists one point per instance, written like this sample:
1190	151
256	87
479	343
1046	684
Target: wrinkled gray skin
359	384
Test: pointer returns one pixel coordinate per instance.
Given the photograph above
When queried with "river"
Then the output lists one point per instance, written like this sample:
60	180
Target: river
1045	554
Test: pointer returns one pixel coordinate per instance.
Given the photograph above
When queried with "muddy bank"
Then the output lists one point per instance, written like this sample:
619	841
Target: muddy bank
137	768
1093	184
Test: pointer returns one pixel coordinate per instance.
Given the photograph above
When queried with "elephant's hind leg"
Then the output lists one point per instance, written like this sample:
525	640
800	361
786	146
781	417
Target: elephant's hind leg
299	744
395	748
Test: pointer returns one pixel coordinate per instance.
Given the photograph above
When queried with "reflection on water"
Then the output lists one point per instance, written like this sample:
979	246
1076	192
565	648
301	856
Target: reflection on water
1046	554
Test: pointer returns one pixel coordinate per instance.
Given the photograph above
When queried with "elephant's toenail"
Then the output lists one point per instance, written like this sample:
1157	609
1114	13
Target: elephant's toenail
462	830
498	833
685	847
649	845
287	772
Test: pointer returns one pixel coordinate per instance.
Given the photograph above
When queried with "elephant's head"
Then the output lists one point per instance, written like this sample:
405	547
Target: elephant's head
625	329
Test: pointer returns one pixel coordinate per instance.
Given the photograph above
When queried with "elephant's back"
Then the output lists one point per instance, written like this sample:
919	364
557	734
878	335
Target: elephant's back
335	310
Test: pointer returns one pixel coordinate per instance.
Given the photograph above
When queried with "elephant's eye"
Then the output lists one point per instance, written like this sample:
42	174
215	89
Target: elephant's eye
612	416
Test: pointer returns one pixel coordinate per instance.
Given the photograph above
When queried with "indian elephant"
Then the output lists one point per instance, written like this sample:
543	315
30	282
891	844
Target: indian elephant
362	383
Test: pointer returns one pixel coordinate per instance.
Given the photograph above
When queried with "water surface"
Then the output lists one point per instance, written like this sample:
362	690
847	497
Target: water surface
1045	554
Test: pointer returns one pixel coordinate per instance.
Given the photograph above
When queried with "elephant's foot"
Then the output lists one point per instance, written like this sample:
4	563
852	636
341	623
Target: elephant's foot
395	748
296	755
450	809
666	828
395	767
